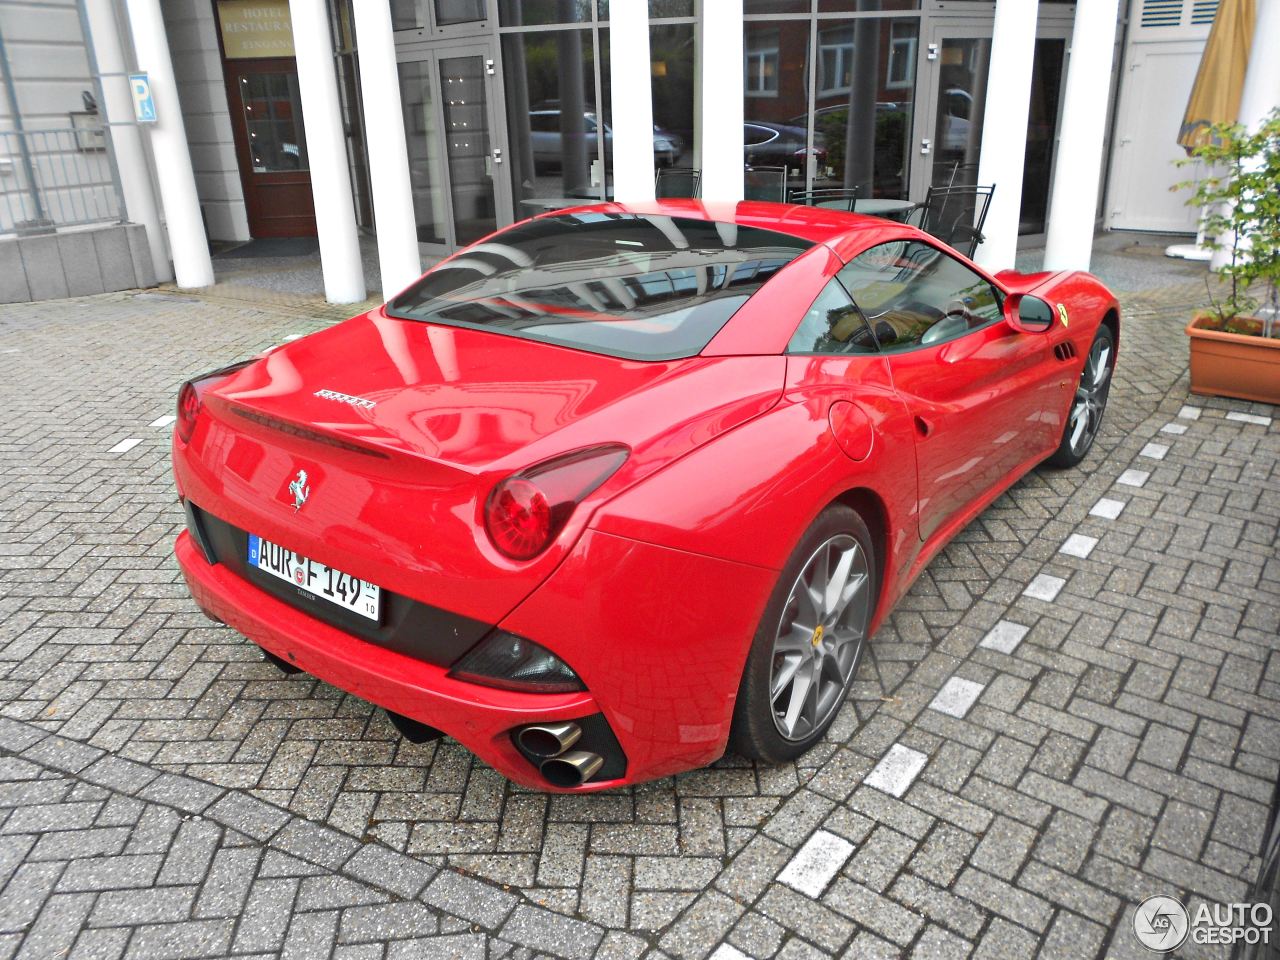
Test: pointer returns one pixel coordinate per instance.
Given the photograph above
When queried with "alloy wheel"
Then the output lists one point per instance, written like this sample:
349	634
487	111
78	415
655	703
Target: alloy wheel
1091	397
820	636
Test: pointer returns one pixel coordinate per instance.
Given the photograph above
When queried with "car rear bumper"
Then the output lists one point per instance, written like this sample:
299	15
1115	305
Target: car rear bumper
659	637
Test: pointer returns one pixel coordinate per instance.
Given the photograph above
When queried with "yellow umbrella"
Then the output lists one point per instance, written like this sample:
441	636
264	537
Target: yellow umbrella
1215	96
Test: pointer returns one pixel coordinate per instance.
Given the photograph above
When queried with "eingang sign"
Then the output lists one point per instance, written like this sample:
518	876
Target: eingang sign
255	28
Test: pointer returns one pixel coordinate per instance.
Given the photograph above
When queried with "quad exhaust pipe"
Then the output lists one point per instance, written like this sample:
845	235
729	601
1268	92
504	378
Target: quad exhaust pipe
551	743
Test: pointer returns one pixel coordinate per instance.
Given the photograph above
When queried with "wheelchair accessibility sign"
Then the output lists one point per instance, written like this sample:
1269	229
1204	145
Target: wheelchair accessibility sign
144	105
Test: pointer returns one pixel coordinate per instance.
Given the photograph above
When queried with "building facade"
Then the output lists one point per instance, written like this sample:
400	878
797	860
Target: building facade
507	106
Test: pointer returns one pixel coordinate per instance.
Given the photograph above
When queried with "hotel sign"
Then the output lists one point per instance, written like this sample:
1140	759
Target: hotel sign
255	28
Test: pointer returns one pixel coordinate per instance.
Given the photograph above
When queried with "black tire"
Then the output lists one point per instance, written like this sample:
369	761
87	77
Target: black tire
1099	362
755	733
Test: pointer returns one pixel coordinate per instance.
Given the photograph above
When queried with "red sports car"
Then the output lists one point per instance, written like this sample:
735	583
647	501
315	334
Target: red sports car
619	487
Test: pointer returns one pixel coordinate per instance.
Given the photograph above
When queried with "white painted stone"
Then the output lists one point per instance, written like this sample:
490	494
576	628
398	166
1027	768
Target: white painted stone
1004	636
817	862
1177	429
295	336
956	697
896	770
1078	545
162	421
1249	418
727	951
124	446
1190	413
1153	451
1107	508
1044	587
1134	478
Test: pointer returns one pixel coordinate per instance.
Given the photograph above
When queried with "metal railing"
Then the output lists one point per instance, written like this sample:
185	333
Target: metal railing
56	178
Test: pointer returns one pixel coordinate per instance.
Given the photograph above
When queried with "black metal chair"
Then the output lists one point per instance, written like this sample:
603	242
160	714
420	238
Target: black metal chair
765	183
835	198
955	215
674	182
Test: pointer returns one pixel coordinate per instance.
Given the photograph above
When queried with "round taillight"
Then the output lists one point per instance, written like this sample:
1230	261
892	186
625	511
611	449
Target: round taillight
188	410
519	518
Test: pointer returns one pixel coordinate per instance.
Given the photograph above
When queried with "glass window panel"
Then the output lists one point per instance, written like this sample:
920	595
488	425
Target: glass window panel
833	325
775	6
914	295
464	89
422	135
406	15
273	122
530	13
962	88
1046	91
671	51
776	111
866	6
865	104
550	92
458	11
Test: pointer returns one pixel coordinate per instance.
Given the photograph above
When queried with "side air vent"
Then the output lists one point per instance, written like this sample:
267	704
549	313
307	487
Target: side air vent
1066	350
1203	11
1162	13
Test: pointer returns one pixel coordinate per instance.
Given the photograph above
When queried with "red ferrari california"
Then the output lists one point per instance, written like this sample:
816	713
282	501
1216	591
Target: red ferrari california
620	487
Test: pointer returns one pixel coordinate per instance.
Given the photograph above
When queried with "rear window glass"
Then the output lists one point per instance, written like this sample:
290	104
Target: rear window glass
627	285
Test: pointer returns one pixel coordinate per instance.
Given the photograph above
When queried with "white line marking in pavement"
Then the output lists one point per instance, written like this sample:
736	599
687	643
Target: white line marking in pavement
1044	587
1249	418
1078	545
1189	413
124	446
1107	508
896	770
1153	451
11	351
818	861
1177	429
727	951
956	697
295	336
162	421
1133	478
1004	636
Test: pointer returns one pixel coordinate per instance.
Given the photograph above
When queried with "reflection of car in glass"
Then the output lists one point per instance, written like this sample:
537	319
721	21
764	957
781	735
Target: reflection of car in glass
613	491
548	143
766	143
957	106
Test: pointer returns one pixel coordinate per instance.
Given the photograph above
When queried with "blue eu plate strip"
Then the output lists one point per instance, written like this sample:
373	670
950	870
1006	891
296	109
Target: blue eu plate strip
255	544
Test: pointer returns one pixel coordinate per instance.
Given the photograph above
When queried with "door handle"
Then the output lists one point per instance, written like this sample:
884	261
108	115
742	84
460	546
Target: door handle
922	426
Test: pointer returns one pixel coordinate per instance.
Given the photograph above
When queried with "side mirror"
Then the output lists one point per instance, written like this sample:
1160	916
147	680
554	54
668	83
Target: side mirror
1028	314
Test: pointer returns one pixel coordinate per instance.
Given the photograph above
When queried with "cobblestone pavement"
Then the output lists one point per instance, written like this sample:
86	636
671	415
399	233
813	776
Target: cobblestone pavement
1076	706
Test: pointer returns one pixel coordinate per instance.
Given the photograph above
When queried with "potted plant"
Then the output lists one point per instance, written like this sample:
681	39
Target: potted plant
1235	345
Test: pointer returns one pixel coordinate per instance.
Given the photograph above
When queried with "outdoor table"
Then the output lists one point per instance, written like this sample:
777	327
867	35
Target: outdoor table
880	207
558	203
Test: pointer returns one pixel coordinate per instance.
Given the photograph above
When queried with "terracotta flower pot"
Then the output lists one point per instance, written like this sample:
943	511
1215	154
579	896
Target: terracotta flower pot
1234	364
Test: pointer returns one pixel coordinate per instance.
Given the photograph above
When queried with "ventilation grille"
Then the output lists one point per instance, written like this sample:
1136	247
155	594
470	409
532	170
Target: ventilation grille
1162	13
1066	350
1203	12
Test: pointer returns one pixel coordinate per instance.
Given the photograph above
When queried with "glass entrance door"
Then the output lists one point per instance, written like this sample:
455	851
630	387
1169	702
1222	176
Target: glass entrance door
456	152
949	136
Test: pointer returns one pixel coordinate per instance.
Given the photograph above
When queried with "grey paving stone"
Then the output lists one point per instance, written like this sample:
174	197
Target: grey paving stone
479	902
544	930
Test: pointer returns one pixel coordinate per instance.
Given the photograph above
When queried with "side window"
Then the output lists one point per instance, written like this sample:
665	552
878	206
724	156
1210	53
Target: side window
914	295
832	325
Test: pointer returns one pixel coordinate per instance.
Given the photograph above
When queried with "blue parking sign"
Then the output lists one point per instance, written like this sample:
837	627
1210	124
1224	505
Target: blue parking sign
144	105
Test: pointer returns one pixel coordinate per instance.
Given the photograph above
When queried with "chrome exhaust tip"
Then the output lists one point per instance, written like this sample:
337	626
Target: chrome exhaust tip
547	740
571	769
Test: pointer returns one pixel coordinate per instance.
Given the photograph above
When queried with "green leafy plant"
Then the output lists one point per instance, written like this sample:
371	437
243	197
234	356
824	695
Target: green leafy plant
1240	199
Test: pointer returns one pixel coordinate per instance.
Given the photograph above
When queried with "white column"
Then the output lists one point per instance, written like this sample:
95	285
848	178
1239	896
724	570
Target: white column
126	140
1261	93
326	153
1004	128
632	112
187	242
720	91
398	259
1073	201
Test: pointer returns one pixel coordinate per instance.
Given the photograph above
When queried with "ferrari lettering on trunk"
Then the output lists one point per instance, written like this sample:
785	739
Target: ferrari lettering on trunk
360	402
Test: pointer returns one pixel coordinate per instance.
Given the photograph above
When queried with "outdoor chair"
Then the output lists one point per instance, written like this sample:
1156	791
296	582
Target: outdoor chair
955	215
677	182
835	198
765	183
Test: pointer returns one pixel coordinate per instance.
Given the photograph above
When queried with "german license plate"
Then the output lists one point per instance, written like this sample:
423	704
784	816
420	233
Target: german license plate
315	579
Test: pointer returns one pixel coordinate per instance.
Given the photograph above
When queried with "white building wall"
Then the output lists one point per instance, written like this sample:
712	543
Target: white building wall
193	42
